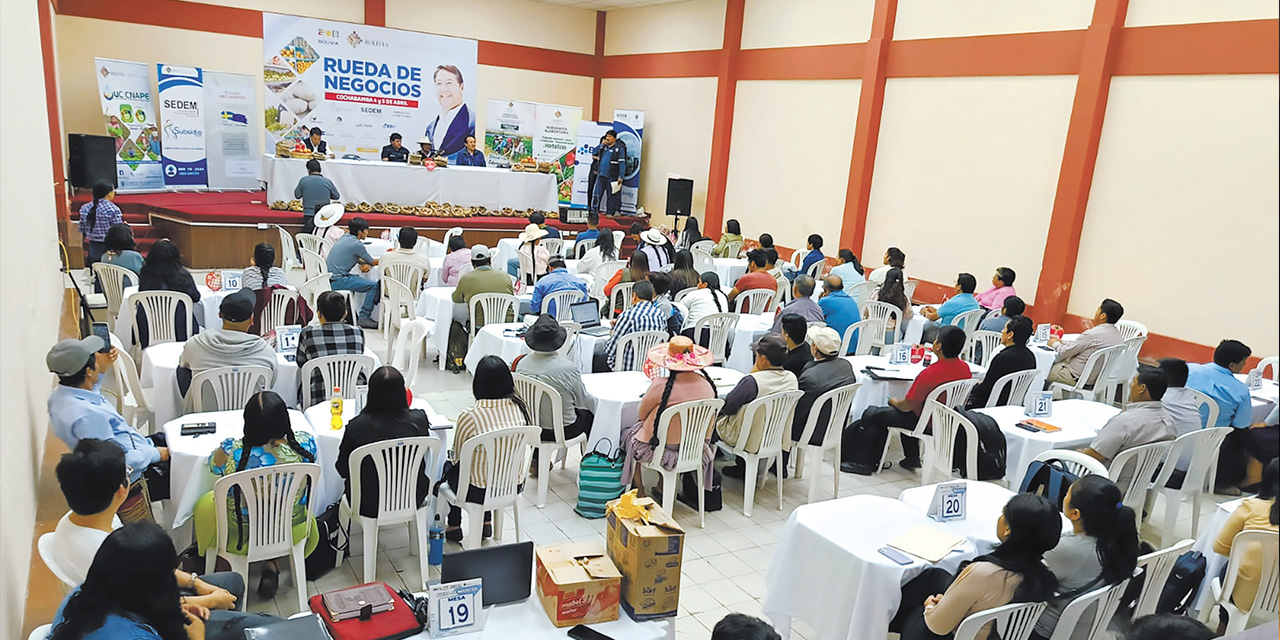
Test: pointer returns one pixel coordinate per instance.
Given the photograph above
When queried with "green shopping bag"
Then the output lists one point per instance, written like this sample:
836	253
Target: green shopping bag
599	479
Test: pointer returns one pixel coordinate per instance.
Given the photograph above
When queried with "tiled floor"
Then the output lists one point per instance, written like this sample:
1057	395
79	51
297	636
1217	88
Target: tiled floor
725	564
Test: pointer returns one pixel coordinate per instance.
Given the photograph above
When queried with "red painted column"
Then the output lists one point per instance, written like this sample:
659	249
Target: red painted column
866	131
599	61
45	12
726	92
375	12
1075	178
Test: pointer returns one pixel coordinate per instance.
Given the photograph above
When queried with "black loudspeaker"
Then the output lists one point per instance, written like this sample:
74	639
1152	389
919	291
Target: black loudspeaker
679	196
90	160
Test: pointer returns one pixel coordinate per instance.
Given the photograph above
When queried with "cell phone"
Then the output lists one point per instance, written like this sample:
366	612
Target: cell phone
583	632
198	428
291	357
896	556
1027	427
101	330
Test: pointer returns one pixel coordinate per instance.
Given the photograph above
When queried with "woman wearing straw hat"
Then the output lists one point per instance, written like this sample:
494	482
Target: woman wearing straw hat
538	254
327	225
687	382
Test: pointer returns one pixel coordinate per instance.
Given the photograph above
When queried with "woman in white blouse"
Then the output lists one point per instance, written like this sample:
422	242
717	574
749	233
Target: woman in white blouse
603	251
704	301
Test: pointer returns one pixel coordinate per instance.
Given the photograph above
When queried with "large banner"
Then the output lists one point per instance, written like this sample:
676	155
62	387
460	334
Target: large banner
231	148
555	139
630	127
508	132
130	118
182	129
589	134
360	84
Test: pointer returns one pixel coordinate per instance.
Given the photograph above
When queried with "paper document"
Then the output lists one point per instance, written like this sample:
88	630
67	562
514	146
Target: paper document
926	543
615	187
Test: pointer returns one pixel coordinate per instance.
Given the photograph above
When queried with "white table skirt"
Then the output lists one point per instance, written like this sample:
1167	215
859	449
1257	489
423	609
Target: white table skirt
730	269
404	184
205	310
1209	529
876	393
984	503
1264	398
189	476
827	571
528	621
437	304
492	340
750	327
1079	421
617	395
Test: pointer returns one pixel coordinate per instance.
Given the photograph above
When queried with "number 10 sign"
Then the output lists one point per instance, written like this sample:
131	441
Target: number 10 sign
455	608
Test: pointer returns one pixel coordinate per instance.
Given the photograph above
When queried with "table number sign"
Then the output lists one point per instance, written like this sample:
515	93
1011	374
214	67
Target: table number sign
232	279
1254	379
901	354
1039	404
455	608
287	338
362	397
949	502
1042	333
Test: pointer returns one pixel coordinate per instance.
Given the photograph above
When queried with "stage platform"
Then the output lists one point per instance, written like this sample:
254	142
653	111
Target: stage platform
218	230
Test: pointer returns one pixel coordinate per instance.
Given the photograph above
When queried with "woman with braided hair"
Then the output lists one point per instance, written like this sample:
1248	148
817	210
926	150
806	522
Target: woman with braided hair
268	440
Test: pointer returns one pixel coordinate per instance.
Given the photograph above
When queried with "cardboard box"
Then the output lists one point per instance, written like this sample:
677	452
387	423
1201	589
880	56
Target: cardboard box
577	584
649	557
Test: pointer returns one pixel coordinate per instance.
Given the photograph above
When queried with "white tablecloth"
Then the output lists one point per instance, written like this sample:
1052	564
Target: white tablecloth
205	310
404	184
750	327
189	476
492	340
827	570
730	269
875	393
1079	421
436	304
1209	529
984	503
617	395
527	620
1264	398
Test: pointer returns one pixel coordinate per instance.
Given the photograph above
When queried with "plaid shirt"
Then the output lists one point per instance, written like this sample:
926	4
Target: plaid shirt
330	339
108	214
643	316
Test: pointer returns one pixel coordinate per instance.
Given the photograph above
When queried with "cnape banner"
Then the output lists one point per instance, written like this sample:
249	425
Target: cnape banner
508	132
555	140
231	148
130	118
182	126
359	84
630	127
589	134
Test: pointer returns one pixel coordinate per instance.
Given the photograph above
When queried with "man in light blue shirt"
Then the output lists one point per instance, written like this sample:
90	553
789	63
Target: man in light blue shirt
557	279
77	410
946	313
839	308
1218	380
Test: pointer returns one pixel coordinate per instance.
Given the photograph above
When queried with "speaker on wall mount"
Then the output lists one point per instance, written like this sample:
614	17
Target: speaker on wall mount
679	196
90	160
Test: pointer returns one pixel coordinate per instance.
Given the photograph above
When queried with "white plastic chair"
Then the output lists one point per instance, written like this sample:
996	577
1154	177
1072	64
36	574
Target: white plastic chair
231	388
570	347
1107	599
399	464
722	327
398	304
1017	384
981	347
581	247
840	400
408	348
113	278
502	456
1157	566
541	399
1075	462
313	264
1130	329
288	250
815	269
697	419
939	448
683	293
159	309
406	273
782	297
45	546
1203	446
312	288
454	231
1011	622
493	307
885	313
601	274
1261	543
968	321
268	495
867	331
562	301
620	298
618	236
702	261
554	246
126	373
1122	370
702	245
335	371
779	409
732	249
41	632
862	291
952	394
1272	362
909	289
276	312
1142	461
638	343
755	301
314	243
1092	383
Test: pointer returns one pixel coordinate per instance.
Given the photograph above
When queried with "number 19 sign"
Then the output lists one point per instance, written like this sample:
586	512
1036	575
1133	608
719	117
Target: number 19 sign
455	608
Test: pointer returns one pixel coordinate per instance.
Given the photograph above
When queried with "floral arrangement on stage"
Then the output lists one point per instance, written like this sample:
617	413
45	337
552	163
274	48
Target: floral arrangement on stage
428	210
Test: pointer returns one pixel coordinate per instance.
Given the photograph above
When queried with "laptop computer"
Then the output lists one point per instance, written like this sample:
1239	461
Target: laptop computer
587	314
506	571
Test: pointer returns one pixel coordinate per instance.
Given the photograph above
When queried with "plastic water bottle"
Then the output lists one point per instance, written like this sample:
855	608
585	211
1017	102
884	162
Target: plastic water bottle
335	409
435	544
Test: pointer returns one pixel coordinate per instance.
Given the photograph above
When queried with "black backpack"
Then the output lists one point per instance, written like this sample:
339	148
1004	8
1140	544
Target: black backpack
1184	580
332	546
1048	478
991	446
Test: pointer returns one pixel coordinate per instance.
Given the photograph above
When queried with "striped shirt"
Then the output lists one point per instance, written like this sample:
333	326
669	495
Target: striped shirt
108	214
482	417
642	316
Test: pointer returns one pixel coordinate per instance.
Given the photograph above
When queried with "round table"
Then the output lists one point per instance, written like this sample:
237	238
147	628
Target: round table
730	269
876	393
500	340
984	503
750	327
437	304
617	394
1078	421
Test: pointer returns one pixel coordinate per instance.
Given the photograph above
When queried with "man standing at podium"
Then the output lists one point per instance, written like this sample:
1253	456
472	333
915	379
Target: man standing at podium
613	156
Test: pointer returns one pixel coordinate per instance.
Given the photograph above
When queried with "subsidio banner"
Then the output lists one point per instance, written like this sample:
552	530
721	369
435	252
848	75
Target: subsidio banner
232	151
182	129
508	134
130	118
360	84
589	134
630	127
555	140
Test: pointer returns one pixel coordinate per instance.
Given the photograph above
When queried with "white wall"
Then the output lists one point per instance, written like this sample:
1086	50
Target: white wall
953	18
32	292
342	10
793	23
679	26
532	24
1152	12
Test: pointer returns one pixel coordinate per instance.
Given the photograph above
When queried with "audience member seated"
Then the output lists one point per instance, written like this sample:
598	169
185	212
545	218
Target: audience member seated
766	377
799	352
408	252
1218	380
691	235
1143	421
674	313
657	247
756	278
1101	550
1001	288
262	270
934	604
269	440
631	241
732	233
546	363
327	218
334	336
481	279
497	406
541	220
1184	411
637	269
557	279
1259	513
77	410
686	382
348	252
1072	356
593	231
848	269
230	346
772	268
1012	307
893	291
457	262
894	258
642	315
129	592
531	246
1168	626
95	481
839	308
120	250
825	372
801	304
603	251
814	256
946	314
702	302
386	416
737	626
163	271
1014	357
683	275
863	442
